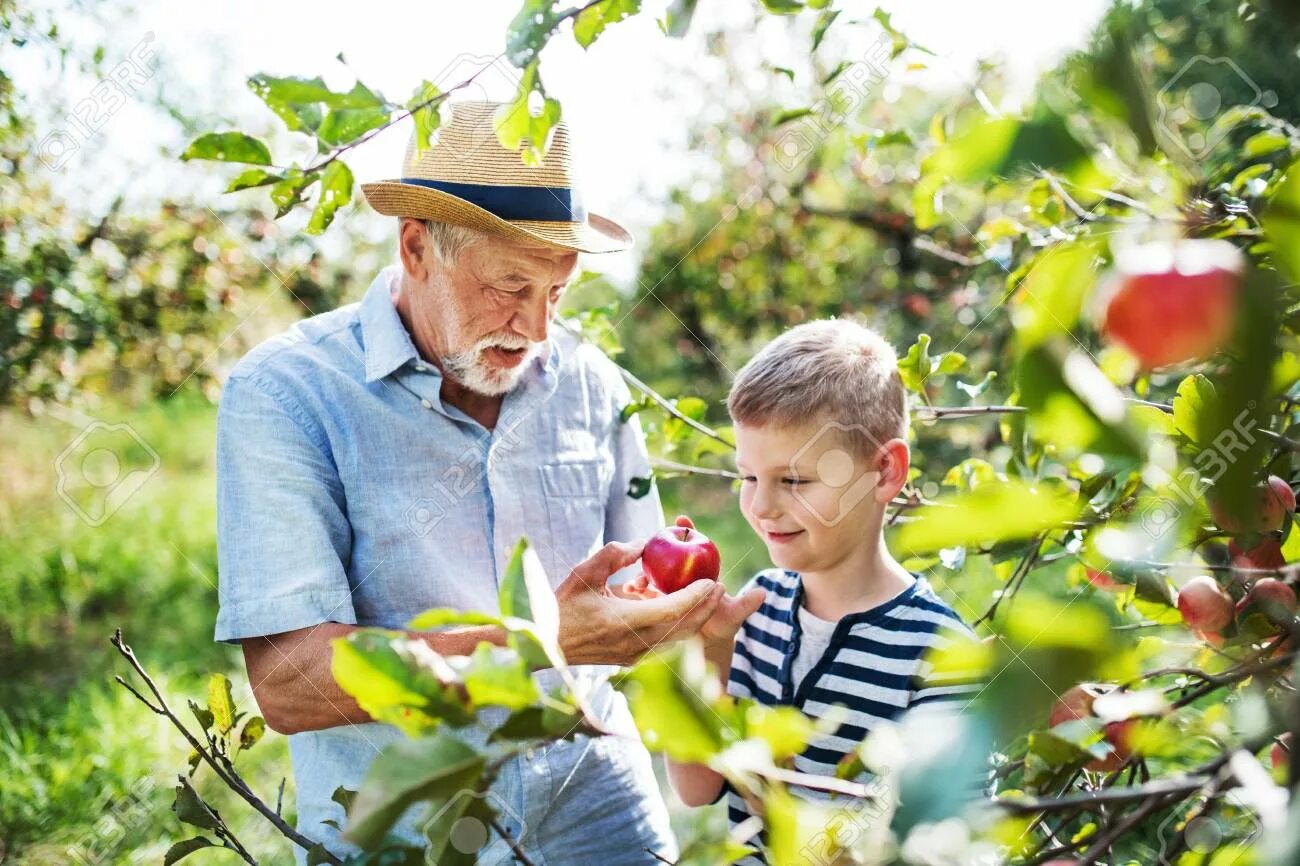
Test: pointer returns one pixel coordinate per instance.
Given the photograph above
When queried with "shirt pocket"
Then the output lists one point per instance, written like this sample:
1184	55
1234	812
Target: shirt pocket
575	507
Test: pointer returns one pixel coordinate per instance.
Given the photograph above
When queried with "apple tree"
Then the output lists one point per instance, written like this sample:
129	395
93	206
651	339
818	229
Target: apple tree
1098	295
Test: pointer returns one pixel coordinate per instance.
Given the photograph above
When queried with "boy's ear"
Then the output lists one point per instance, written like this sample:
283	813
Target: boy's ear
895	459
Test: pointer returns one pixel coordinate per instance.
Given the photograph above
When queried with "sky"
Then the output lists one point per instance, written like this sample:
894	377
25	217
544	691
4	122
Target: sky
629	100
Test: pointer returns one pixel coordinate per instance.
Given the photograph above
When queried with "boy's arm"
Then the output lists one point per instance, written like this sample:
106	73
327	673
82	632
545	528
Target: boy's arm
696	784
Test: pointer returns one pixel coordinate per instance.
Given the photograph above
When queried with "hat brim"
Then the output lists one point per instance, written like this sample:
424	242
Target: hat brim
597	235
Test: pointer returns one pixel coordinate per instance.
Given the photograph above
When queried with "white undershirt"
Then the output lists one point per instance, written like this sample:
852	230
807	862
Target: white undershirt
816	637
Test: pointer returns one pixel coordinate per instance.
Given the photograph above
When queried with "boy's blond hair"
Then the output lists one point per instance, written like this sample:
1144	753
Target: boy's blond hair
831	371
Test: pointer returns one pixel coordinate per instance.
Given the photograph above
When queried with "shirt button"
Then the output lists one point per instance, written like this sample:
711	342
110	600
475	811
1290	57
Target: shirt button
425	403
420	368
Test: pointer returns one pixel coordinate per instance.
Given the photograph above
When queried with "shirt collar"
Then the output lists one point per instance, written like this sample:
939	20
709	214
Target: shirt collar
387	344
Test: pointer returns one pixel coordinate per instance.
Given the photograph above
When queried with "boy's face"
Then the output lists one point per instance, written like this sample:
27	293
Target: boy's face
812	499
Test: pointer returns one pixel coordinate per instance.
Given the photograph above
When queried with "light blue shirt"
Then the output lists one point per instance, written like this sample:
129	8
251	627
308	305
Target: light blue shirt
348	492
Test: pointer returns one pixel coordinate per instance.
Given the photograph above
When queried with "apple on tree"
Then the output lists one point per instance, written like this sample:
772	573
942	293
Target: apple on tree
1172	302
1280	754
1076	703
1275	502
1271	597
1204	605
1265	555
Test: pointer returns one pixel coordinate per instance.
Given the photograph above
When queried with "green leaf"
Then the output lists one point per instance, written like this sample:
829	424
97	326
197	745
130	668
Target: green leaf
546	722
441	617
228	147
914	367
526	596
429	769
184	848
399	680
426	116
677	20
1195	409
991	512
664	691
593	20
318	854
344	797
290	192
335	192
790	114
345	125
783	7
469	809
203	715
499	677
1050	298
824	22
638	487
518	129
191	810
299	101
253	177
529	32
786	730
1268	141
796	827
221	703
900	41
1281	221
973	390
253	731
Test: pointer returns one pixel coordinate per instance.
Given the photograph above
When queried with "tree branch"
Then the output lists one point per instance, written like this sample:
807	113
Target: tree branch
224	771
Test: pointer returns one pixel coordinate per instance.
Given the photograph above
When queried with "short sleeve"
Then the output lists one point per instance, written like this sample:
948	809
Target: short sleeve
283	538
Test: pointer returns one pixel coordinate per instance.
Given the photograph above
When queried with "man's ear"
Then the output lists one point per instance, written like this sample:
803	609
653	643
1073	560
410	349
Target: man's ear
412	245
895	459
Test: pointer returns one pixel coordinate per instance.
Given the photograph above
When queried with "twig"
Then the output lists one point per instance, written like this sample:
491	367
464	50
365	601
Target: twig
224	772
938	413
671	466
661	858
517	851
221	828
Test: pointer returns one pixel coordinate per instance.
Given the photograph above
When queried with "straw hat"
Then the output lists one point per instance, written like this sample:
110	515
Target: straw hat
467	178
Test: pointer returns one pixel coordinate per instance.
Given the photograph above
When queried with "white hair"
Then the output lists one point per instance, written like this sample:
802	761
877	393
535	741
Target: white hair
449	241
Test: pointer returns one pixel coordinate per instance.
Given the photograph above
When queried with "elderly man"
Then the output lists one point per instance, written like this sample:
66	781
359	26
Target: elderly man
384	458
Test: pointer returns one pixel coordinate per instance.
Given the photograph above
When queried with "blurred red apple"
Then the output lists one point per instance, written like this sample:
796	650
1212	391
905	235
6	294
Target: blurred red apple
1174	301
1204	605
1266	554
679	555
1120	737
1275	500
1269	596
1076	703
1103	580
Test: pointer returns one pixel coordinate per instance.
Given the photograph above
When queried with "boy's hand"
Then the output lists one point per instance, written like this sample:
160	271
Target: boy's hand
731	612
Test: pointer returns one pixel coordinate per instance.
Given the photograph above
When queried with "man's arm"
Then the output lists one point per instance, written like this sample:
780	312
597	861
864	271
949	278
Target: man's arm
293	683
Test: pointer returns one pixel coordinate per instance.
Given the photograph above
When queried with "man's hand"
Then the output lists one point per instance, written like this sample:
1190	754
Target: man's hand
719	630
598	626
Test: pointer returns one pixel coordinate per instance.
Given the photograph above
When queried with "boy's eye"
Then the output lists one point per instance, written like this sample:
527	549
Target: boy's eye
793	482
745	478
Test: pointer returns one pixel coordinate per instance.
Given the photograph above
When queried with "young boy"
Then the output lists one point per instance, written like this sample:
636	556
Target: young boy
821	422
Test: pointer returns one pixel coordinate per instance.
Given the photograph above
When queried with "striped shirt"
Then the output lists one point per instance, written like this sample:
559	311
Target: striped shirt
874	669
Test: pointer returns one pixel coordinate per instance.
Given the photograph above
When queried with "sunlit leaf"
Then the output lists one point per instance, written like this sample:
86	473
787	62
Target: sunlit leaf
990	512
228	147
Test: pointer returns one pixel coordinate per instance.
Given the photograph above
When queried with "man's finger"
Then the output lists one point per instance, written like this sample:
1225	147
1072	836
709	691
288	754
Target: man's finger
750	602
666	611
683	520
595	572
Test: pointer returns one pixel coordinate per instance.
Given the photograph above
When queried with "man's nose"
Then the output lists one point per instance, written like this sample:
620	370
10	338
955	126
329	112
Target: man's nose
533	318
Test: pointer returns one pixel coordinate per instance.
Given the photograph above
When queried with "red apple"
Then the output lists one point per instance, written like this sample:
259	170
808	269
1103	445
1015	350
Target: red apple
1204	605
1076	703
1120	737
1266	554
1275	500
1270	596
678	556
1103	580
1174	302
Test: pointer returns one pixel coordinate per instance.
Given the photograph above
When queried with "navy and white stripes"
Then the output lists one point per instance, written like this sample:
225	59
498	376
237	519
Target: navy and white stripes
874	669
